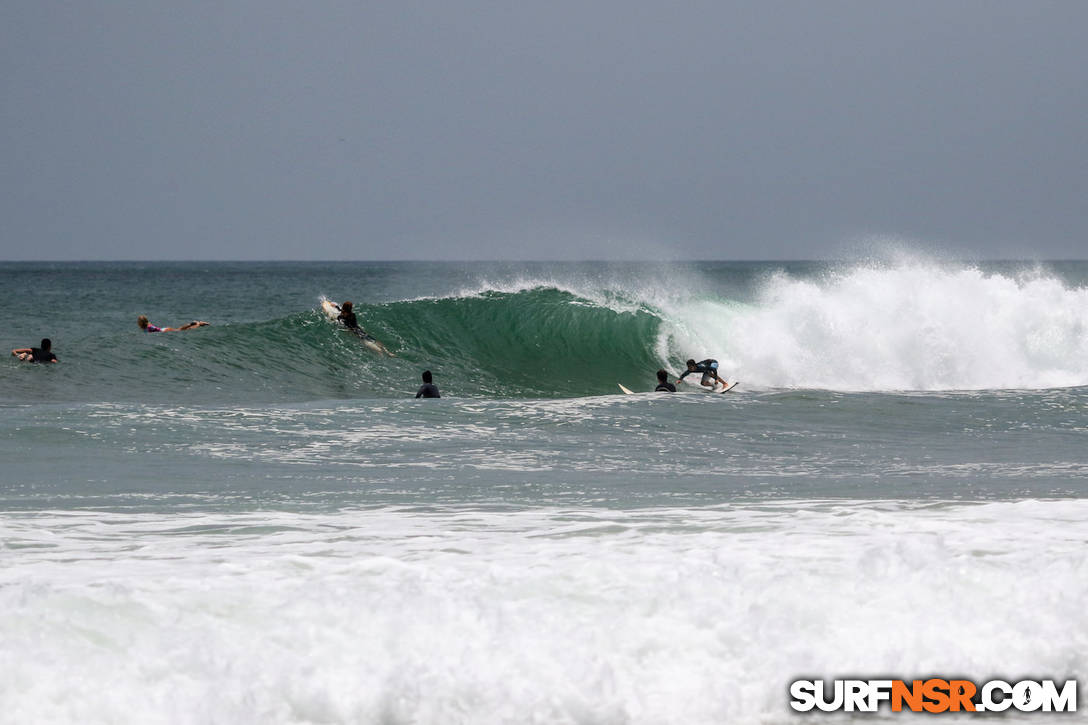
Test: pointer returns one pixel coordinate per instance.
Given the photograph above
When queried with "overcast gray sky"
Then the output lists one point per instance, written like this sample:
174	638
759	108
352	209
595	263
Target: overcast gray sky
541	130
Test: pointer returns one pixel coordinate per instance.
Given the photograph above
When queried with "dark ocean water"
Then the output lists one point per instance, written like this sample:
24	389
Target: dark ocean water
256	521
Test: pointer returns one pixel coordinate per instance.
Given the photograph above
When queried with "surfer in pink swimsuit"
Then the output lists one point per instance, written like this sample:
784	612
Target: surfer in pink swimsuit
148	327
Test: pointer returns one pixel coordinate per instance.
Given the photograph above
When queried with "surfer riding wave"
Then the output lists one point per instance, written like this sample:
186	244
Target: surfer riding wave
709	369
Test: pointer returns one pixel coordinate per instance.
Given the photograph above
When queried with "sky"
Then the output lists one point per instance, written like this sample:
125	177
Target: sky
276	129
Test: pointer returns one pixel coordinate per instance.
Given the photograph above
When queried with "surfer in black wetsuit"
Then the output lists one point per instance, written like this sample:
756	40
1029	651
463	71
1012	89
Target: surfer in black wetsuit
663	384
709	369
43	354
428	389
351	323
348	317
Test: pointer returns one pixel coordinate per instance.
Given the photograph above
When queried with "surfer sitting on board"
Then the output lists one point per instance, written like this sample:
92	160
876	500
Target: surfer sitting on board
709	369
663	384
41	354
428	389
148	327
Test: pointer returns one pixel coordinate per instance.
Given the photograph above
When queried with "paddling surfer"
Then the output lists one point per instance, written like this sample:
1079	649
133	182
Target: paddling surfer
347	316
148	327
43	354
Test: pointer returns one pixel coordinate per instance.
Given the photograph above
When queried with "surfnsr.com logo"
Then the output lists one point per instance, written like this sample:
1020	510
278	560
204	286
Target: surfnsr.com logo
934	695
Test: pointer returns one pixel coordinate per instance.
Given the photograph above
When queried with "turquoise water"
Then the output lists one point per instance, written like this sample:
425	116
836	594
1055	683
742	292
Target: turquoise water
256	521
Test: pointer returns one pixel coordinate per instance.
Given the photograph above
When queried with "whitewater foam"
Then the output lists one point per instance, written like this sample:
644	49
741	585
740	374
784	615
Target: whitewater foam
908	326
653	616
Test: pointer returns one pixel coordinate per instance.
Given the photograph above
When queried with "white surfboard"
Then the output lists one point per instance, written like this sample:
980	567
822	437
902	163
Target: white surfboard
625	389
332	311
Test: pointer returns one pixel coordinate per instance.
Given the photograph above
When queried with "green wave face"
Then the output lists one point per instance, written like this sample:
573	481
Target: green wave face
537	342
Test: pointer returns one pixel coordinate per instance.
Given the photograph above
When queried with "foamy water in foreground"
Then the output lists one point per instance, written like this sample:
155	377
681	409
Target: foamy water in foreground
690	615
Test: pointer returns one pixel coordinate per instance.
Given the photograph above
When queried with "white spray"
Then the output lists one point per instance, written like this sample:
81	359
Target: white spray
910	326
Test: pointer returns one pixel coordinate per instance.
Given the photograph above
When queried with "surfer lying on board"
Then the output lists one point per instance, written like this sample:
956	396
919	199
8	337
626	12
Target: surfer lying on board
709	369
41	354
148	327
348	317
663	384
345	314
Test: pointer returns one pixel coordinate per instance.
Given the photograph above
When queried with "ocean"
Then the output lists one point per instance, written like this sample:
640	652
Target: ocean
257	522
